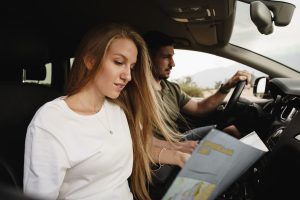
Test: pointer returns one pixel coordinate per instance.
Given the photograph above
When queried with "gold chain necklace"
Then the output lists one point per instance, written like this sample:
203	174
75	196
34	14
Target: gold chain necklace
107	119
106	116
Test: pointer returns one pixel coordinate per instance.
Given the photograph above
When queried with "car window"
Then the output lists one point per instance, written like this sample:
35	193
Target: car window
246	35
206	72
46	81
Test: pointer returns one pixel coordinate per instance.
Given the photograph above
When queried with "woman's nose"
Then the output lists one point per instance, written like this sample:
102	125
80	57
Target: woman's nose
126	74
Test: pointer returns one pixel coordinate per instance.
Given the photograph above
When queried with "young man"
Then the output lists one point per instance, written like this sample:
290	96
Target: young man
161	49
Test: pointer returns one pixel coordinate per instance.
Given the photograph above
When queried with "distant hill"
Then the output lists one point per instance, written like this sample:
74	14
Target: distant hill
208	78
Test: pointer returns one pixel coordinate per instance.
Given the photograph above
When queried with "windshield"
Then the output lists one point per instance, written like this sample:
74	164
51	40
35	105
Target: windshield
283	45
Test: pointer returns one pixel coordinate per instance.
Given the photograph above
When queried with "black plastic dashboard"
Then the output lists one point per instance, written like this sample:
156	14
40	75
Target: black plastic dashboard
283	140
286	86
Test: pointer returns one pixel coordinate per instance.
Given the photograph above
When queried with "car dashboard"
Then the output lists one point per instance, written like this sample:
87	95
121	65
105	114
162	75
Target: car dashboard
275	175
284	111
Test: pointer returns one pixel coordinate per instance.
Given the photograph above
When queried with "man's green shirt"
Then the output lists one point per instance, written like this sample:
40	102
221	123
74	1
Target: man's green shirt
173	97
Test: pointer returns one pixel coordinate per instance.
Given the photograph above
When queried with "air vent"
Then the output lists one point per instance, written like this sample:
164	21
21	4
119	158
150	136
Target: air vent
288	113
273	139
297	137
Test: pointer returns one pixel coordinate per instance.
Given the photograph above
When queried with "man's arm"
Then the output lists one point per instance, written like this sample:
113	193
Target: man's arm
204	106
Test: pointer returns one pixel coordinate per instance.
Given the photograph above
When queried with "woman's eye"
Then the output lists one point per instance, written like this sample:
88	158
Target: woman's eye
118	63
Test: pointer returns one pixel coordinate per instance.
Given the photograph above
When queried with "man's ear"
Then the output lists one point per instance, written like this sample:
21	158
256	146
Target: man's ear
89	61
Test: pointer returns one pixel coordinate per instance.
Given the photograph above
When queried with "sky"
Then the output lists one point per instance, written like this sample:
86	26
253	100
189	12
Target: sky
282	45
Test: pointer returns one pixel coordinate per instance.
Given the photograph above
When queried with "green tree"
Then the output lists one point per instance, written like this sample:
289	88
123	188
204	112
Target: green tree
190	87
218	84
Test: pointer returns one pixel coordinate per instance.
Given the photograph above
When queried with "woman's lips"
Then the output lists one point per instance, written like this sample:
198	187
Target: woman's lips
120	86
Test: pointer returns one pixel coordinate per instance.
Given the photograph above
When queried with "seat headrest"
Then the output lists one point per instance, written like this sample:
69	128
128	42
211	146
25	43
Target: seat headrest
22	47
16	74
12	75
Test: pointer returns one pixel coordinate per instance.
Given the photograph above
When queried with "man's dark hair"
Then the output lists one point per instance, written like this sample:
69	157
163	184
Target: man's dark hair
156	40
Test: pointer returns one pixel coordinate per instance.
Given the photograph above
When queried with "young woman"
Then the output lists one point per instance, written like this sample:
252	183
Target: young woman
85	145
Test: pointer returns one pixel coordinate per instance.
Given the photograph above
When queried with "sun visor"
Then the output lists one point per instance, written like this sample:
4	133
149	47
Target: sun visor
197	11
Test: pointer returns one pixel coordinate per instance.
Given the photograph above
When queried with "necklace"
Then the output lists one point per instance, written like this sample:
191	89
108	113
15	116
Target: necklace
107	119
99	119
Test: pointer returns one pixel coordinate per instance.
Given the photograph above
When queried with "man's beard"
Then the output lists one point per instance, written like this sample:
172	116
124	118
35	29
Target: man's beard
162	77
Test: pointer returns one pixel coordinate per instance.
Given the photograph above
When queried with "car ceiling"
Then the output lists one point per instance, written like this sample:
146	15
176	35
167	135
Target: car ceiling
64	22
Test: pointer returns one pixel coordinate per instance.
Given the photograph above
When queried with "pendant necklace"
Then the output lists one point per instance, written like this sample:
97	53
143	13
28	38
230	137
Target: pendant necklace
99	119
107	119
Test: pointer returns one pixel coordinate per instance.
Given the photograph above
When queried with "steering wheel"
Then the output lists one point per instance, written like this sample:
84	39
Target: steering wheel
231	104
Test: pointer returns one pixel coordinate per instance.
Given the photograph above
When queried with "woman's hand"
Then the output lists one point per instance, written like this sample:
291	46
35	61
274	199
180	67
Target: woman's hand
181	158
169	156
184	146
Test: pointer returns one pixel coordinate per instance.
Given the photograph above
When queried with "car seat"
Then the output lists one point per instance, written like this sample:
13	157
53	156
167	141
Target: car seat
21	51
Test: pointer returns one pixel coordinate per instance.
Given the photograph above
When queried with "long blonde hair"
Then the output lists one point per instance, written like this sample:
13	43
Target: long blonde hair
138	99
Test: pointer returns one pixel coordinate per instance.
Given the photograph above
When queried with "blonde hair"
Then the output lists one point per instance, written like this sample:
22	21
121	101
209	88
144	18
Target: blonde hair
138	99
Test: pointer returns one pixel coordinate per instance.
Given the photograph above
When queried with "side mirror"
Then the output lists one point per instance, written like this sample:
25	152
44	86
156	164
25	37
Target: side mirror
261	87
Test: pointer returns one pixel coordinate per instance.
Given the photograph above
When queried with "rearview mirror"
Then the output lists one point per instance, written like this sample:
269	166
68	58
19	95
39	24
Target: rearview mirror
282	11
263	13
261	17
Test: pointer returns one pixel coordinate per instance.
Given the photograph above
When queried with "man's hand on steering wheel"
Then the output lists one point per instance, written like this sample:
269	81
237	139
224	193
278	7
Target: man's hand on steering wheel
237	77
238	80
